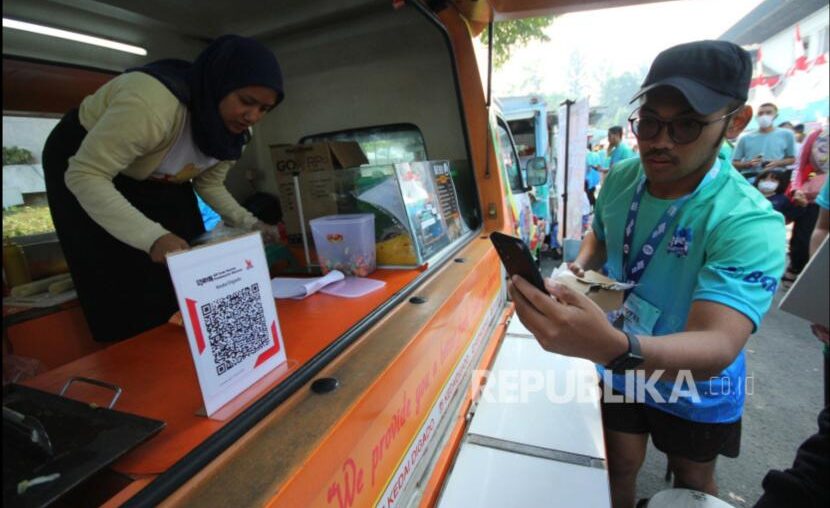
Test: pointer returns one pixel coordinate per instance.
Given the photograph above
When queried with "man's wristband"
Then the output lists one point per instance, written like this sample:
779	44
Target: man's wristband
631	359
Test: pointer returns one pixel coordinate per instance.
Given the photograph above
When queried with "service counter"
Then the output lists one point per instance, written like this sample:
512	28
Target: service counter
155	369
397	379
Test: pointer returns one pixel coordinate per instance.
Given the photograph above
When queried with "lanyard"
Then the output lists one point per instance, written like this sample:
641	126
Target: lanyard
634	271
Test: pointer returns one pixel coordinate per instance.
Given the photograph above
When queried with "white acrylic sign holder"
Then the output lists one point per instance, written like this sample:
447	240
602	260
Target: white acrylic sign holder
224	293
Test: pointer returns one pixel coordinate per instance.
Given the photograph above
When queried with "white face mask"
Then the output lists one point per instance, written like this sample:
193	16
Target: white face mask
767	186
765	121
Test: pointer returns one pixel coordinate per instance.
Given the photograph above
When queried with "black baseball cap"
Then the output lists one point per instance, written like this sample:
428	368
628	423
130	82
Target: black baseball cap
710	74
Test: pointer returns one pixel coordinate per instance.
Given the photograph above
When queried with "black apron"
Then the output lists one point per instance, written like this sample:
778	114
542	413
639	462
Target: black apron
121	290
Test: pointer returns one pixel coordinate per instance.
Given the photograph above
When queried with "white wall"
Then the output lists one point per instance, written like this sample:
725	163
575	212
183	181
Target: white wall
26	132
21	179
778	52
370	66
392	67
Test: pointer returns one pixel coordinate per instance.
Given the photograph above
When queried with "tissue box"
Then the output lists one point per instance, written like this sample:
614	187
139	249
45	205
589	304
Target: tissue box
345	242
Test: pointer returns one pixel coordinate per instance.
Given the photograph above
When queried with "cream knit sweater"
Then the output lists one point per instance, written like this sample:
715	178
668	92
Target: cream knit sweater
132	122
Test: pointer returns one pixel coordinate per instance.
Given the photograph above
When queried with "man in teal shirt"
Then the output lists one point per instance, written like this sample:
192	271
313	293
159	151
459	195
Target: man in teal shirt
620	150
705	251
593	164
769	147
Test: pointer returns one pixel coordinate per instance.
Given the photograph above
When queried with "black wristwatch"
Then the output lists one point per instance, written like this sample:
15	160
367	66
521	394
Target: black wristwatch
630	359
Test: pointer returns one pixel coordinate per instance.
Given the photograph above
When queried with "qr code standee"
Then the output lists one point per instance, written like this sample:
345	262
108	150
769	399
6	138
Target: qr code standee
236	327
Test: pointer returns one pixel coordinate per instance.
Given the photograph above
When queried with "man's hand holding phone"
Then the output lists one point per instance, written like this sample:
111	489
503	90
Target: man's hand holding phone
567	322
517	260
562	320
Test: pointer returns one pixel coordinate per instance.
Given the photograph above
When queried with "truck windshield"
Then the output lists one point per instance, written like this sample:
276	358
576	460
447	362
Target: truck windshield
385	144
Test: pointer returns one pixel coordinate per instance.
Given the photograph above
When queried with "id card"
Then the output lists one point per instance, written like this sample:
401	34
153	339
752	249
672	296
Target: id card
640	316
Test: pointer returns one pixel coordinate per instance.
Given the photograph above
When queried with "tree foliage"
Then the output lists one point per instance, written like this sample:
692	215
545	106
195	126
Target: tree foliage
15	155
615	95
516	32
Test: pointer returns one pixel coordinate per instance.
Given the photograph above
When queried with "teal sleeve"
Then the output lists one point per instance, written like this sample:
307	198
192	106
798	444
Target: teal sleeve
725	152
612	158
790	151
738	154
597	226
823	198
745	259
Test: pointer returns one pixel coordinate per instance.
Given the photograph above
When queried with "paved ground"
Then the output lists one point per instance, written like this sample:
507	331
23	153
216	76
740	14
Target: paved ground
784	361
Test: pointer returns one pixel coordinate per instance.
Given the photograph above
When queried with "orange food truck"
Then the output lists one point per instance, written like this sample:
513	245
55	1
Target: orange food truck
371	405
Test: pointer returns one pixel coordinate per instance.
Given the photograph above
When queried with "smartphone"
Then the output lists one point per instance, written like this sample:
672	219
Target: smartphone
517	259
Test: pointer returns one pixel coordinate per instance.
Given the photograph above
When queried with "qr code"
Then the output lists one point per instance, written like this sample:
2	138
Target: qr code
235	327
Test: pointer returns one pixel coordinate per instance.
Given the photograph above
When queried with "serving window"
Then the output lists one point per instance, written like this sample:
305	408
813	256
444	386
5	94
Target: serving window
385	144
417	182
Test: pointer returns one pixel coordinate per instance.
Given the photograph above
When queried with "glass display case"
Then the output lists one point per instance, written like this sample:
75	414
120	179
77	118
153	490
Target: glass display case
416	207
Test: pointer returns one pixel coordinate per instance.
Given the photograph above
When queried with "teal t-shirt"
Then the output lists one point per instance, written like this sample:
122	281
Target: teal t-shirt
774	145
726	150
619	154
726	245
209	216
604	159
823	198
592	162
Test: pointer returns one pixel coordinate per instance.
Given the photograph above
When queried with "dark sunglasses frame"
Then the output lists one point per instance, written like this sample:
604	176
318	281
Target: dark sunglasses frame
634	121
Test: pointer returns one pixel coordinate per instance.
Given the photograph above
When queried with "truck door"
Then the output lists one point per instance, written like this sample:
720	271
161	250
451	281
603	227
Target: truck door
519	196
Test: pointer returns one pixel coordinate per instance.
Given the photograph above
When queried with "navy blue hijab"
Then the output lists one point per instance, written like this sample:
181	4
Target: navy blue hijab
229	63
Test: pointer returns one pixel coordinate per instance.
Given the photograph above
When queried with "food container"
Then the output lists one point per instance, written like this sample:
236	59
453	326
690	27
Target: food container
15	268
345	242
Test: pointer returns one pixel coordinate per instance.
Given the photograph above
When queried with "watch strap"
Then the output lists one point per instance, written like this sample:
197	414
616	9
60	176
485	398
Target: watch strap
630	359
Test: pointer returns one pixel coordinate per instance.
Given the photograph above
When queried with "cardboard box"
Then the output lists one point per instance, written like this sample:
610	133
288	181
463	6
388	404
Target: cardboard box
315	164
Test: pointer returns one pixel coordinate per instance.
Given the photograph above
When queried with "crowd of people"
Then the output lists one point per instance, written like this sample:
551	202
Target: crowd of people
787	164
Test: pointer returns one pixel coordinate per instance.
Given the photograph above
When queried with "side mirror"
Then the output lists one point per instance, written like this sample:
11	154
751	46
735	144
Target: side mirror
537	171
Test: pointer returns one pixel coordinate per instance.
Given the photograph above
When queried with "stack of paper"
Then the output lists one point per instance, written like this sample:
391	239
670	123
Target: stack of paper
353	287
334	283
299	288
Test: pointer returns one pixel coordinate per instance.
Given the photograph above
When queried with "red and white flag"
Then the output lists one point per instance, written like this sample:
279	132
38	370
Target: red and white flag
799	56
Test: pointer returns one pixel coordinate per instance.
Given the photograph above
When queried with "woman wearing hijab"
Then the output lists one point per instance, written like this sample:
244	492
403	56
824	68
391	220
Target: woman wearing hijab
121	171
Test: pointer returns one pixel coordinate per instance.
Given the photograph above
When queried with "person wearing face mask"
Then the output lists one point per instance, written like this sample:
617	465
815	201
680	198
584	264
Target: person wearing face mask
769	147
123	171
773	186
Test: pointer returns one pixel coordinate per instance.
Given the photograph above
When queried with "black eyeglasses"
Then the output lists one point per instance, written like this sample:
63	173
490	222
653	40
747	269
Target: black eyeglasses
681	130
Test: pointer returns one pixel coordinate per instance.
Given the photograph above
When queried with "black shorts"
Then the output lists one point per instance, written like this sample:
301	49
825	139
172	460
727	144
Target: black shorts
672	435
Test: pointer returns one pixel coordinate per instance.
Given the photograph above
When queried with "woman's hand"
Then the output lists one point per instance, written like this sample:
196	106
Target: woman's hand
270	234
799	198
164	244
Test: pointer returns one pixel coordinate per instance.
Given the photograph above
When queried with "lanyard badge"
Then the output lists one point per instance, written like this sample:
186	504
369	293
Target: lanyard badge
633	270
